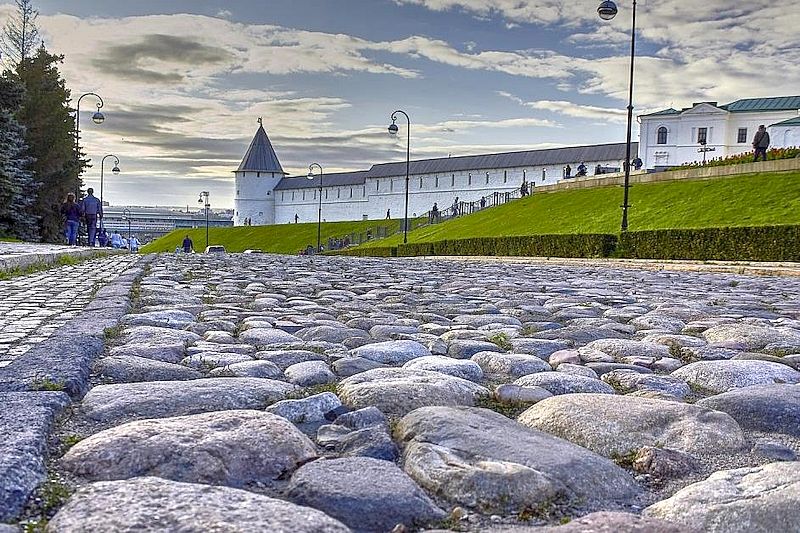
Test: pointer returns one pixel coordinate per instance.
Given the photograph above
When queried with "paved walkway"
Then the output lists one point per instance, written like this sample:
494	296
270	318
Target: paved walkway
32	307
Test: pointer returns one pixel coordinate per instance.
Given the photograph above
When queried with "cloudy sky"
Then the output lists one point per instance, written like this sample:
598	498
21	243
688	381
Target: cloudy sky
185	80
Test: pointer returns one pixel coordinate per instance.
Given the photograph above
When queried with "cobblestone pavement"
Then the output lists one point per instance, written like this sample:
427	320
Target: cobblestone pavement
342	394
11	249
32	307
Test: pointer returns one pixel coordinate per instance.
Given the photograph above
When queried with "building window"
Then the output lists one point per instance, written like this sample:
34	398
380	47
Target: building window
453	180
304	195
420	183
702	135
326	194
258	174
315	194
283	196
377	185
338	193
742	137
505	176
544	174
292	195
469	178
437	182
237	192
487	178
391	185
351	192
662	135
364	191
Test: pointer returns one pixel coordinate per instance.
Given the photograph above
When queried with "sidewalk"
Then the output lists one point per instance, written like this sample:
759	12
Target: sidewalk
14	255
749	268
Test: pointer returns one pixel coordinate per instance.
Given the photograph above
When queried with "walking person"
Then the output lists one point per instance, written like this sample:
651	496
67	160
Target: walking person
435	213
134	244
72	215
188	245
761	143
92	210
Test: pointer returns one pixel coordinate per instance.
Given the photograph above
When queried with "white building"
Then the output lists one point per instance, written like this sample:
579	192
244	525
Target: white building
671	138
264	195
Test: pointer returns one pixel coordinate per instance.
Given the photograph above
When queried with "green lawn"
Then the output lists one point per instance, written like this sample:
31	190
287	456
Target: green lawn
747	200
282	239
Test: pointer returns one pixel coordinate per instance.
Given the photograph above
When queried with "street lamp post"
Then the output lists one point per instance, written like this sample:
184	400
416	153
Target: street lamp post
393	129
97	118
607	11
319	218
114	170
126	215
205	196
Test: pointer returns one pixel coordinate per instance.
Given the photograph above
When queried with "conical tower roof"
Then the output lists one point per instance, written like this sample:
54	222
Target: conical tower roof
260	157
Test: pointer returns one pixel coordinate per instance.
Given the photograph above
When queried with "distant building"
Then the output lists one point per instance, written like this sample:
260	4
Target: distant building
671	138
265	195
148	223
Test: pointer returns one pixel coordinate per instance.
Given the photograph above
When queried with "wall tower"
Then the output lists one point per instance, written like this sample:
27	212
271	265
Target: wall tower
256	178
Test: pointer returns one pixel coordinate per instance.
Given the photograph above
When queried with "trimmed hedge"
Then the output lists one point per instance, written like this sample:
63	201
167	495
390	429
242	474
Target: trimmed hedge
763	243
577	245
385	251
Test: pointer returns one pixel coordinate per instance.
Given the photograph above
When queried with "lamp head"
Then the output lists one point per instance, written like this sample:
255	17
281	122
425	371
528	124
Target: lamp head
393	129
115	170
98	117
310	176
200	200
607	10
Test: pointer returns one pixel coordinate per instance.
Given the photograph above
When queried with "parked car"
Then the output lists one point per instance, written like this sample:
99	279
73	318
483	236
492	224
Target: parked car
253	251
215	249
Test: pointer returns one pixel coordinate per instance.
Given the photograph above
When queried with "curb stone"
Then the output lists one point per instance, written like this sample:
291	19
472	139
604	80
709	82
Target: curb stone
63	360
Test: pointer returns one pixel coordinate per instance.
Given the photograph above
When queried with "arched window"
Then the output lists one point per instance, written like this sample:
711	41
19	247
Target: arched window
662	135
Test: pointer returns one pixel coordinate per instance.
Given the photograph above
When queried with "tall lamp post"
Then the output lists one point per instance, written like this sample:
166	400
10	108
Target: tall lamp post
114	171
607	11
97	118
319	219
205	196
393	129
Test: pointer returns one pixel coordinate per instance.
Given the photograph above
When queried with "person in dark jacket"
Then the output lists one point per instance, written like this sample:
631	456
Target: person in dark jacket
92	210
72	213
188	245
761	143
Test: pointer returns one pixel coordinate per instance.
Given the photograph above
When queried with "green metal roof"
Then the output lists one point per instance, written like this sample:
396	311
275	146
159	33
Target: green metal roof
791	122
748	105
669	111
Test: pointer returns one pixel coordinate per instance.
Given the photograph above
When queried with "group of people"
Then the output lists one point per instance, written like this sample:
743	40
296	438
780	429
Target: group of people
90	210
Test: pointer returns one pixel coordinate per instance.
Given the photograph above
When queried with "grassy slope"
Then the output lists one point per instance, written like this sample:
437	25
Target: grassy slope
284	238
749	200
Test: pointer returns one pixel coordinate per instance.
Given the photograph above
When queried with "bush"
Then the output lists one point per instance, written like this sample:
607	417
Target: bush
578	245
764	243
377	251
746	157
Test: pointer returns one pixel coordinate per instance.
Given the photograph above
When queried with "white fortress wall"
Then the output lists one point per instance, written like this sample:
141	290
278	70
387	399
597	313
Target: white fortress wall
377	195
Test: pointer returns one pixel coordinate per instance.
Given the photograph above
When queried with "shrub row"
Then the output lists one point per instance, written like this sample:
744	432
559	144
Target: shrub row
578	245
764	243
382	251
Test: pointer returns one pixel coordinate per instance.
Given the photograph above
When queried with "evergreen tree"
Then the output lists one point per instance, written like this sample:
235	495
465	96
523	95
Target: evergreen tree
21	33
50	135
17	185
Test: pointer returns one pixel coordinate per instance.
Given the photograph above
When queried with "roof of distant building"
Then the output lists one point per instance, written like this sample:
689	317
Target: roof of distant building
529	158
669	111
260	157
328	180
571	155
749	105
791	122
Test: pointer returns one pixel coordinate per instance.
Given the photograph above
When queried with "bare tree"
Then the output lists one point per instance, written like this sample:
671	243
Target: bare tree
21	34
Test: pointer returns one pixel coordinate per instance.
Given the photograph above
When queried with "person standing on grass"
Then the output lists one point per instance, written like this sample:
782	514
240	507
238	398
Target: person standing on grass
92	210
761	143
187	245
72	214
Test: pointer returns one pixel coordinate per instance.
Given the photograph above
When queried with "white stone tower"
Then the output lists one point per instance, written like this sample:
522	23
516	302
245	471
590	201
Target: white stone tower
257	176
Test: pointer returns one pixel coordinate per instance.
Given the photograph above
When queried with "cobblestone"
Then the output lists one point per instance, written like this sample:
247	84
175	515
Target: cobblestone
216	312
33	307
